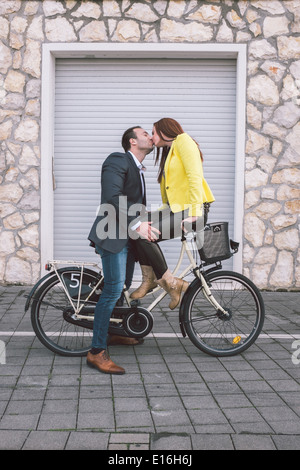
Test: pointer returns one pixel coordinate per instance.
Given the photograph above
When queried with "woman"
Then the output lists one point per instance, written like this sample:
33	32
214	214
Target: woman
184	191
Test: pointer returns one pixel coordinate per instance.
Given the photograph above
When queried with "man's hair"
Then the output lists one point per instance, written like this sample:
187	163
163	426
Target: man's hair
129	134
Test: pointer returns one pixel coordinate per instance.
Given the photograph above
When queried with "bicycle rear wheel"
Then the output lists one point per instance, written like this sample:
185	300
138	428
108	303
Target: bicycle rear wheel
227	334
52	313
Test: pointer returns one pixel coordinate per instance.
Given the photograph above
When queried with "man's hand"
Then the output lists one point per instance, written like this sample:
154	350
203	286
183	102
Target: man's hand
146	231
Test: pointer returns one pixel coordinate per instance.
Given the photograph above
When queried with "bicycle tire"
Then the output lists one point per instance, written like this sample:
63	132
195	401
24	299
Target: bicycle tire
222	335
51	313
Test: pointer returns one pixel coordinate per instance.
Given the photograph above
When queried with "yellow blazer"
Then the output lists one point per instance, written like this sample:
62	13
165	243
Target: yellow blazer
183	185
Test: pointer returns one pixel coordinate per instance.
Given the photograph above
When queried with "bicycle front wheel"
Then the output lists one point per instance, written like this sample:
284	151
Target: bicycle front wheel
230	333
52	311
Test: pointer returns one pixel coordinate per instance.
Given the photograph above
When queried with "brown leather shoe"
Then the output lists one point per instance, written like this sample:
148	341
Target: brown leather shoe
114	340
103	363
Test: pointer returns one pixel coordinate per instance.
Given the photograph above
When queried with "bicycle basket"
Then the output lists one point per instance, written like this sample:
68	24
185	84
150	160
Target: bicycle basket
216	244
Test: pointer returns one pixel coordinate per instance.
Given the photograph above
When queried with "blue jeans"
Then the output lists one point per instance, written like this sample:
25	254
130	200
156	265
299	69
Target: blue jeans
114	271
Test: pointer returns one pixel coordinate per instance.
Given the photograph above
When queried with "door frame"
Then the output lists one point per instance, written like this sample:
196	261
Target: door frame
144	51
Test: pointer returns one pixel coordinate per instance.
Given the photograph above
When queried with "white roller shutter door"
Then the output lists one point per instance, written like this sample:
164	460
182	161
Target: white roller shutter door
96	100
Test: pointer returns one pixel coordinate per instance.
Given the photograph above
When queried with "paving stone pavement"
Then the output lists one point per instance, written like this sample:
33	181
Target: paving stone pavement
173	397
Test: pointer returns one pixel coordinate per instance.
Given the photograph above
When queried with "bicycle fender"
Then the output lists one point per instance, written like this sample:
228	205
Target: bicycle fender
183	304
35	287
48	276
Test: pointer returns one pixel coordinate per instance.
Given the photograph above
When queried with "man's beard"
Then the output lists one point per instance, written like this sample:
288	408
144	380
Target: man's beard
149	150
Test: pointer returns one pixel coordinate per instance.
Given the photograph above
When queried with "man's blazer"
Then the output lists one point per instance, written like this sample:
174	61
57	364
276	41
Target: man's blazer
122	201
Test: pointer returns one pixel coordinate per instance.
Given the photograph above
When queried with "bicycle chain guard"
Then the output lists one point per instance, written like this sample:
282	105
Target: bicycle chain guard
136	322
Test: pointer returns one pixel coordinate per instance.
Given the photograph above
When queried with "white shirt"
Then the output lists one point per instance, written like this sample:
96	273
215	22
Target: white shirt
140	167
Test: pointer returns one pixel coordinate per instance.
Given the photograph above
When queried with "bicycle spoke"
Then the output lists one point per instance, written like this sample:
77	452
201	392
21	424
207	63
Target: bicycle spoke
207	317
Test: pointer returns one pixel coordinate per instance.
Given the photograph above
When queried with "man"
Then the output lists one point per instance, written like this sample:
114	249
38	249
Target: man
122	194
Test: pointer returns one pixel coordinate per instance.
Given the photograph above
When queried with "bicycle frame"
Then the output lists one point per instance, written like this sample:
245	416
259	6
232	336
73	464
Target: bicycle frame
191	267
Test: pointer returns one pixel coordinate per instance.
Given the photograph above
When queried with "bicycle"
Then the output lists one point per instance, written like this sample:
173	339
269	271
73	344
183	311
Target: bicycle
222	312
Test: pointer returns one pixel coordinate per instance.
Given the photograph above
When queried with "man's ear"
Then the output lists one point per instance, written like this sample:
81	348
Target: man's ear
132	142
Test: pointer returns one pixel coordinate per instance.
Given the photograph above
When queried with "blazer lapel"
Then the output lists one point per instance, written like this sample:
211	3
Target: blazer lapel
168	159
144	195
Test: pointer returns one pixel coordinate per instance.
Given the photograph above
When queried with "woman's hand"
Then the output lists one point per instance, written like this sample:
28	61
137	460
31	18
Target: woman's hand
146	231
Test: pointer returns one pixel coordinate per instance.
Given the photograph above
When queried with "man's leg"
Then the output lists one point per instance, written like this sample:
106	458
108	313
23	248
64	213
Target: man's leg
114	271
129	273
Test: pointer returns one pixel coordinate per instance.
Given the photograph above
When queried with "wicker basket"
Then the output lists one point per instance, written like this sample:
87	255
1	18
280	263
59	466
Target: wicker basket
216	245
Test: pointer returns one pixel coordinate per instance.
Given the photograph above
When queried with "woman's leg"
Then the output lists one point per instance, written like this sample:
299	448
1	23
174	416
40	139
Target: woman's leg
153	261
150	253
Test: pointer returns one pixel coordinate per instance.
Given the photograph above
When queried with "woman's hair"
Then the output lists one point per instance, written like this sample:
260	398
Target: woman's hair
170	129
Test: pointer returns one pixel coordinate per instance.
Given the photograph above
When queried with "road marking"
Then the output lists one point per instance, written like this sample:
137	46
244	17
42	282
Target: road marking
154	335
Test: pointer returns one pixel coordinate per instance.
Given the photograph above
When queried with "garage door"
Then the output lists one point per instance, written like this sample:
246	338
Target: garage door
96	100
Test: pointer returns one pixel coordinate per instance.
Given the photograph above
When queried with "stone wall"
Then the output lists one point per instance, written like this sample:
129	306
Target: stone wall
271	30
